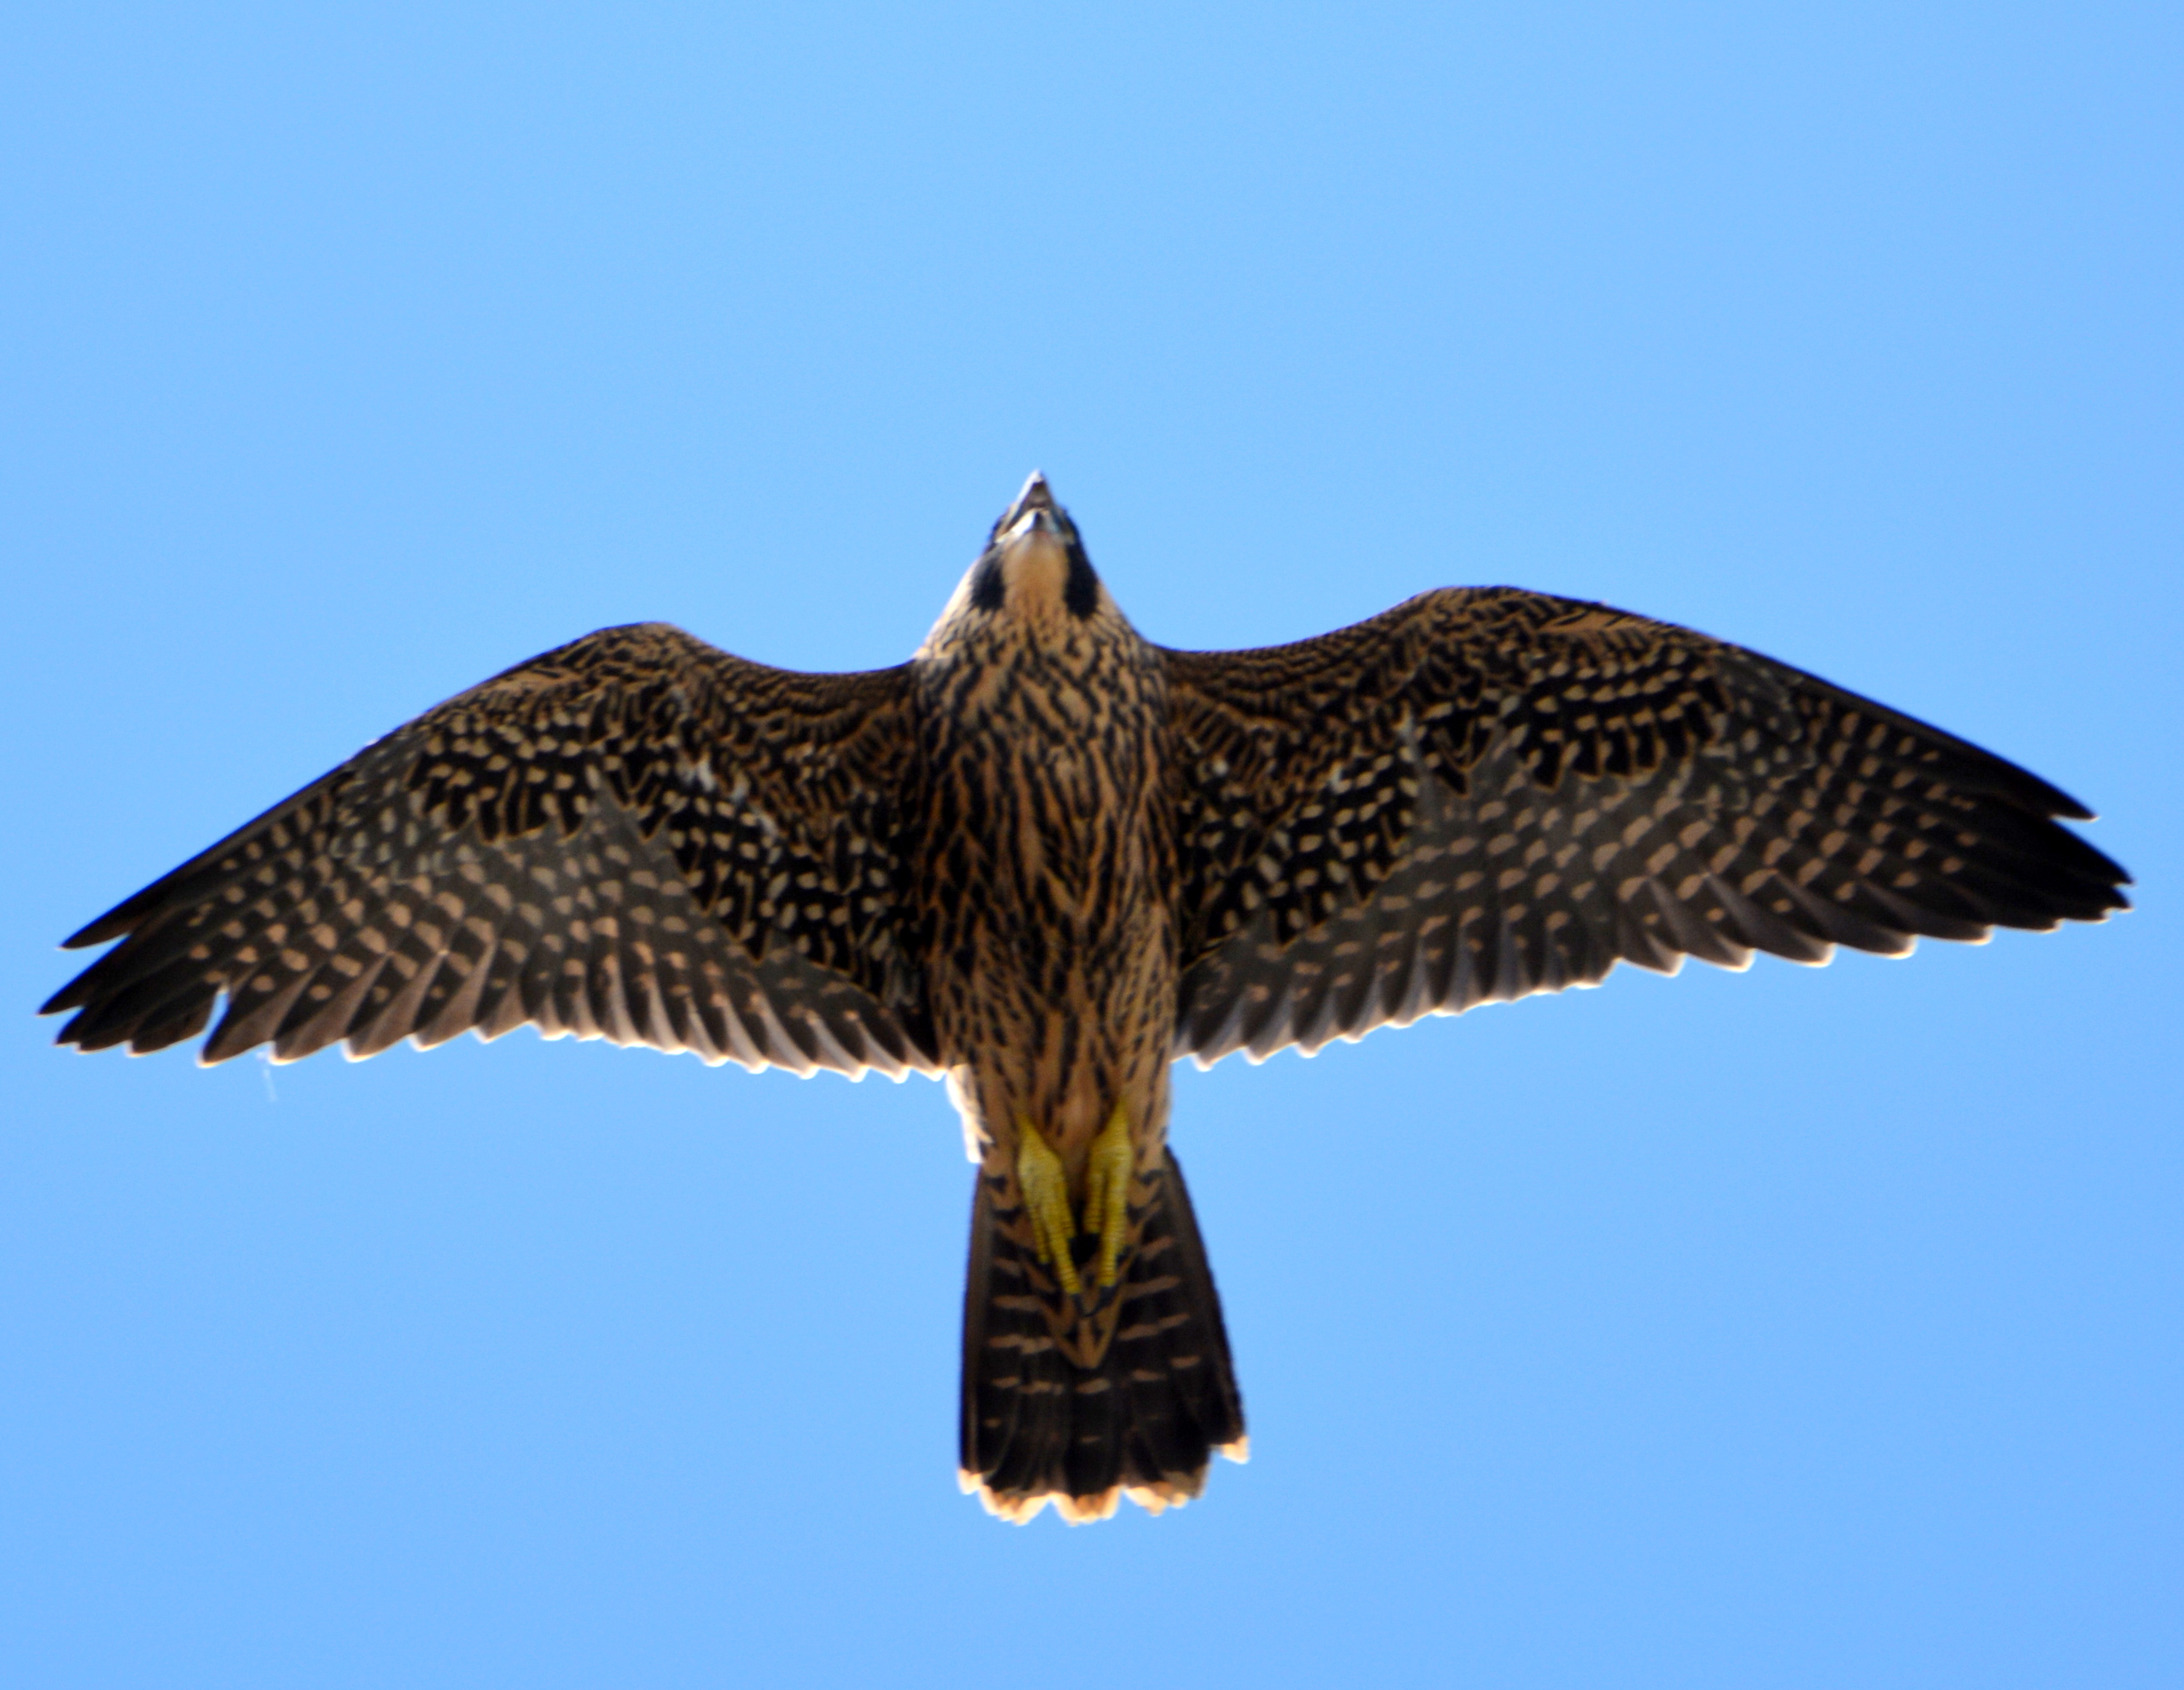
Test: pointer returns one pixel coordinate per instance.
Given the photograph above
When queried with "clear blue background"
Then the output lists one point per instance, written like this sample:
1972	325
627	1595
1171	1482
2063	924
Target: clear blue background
1804	1327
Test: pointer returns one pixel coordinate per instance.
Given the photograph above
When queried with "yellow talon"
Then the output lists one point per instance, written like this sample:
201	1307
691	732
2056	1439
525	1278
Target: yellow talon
1107	1190
1046	1189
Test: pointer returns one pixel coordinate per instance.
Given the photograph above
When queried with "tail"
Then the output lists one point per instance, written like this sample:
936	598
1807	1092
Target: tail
1145	1422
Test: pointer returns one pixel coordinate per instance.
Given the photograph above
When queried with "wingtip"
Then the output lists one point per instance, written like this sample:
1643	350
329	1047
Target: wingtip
111	925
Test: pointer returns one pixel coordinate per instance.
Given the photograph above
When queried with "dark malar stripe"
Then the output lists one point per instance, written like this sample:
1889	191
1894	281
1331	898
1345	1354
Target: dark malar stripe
1080	593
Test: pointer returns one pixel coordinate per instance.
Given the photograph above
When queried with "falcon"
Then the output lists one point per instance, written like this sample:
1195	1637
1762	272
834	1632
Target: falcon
1045	859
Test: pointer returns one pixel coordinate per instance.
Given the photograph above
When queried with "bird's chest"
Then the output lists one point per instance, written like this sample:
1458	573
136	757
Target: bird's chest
1048	860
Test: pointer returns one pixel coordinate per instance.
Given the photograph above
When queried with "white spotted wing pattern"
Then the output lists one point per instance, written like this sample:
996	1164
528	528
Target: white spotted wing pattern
1486	792
635	837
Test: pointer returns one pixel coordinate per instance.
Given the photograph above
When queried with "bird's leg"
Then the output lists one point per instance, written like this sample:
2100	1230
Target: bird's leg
1107	1190
1045	1188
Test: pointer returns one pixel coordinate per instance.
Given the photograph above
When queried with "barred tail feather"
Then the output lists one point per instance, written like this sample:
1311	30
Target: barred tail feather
1144	1423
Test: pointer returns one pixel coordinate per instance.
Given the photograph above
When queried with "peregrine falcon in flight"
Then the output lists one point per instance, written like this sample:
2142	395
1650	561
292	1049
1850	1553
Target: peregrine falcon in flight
1045	859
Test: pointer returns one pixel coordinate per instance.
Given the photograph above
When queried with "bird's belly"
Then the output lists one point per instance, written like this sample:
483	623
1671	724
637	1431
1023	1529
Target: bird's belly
1059	996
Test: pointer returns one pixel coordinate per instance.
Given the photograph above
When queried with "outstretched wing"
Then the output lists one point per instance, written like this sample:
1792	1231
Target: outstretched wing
635	837
1486	792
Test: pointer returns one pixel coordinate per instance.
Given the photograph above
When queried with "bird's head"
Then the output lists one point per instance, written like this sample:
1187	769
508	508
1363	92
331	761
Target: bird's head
1033	571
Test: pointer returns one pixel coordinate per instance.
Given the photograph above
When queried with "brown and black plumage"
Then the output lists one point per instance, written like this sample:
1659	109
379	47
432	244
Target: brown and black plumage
1045	857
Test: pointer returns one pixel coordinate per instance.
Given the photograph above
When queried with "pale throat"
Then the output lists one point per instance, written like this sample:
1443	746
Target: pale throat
1035	572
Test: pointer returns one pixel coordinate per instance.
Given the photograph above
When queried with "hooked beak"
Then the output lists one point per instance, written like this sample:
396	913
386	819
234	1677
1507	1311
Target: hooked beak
1033	512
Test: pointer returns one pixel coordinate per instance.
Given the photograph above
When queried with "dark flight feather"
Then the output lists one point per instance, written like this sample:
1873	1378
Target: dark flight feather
1485	793
636	837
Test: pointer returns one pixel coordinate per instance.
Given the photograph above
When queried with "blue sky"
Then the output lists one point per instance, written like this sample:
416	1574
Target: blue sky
1798	1328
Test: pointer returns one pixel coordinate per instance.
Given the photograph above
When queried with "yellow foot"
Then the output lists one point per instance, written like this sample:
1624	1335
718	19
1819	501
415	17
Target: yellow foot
1107	1190
1045	1189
